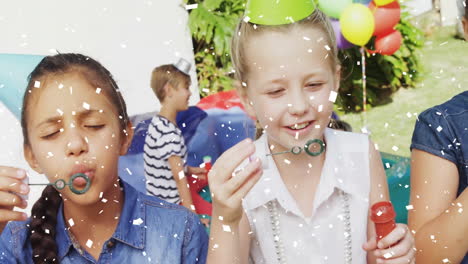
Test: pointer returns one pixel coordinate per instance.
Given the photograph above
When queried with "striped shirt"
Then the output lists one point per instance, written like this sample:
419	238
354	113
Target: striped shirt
164	139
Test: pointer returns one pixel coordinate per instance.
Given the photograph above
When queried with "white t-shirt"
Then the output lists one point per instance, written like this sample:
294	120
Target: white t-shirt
164	139
320	238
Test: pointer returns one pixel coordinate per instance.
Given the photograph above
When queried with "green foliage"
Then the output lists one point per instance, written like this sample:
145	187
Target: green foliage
385	74
212	24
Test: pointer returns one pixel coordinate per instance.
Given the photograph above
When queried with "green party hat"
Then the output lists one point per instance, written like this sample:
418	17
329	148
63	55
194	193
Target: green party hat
277	12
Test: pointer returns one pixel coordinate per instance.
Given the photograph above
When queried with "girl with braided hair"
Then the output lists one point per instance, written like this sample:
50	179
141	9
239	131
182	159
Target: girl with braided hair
74	120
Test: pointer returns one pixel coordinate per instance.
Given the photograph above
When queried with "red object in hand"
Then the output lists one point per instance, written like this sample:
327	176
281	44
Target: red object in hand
383	215
207	161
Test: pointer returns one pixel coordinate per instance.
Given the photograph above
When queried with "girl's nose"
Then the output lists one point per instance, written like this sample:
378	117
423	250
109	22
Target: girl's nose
77	143
299	103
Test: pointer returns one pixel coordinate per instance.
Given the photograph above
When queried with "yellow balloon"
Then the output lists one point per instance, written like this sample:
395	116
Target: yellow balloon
383	2
357	24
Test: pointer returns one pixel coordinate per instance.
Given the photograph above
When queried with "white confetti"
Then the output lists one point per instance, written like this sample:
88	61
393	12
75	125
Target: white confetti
246	19
446	260
327	47
306	38
181	175
71	222
287	161
439	128
128	170
395	148
220	218
85	105
104	200
47	231
59	111
379	213
320	108
226	228
190	7
37	84
408	115
89	243
332	97
50	154
317	126
409	207
388	255
98	90
100	195
138	221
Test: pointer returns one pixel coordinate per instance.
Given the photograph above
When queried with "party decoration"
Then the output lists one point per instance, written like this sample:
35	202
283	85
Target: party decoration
386	17
341	41
388	44
383	2
334	8
357	24
274	12
14	71
364	2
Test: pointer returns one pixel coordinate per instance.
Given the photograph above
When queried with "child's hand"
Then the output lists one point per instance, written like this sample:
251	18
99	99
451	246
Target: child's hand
395	248
199	172
229	187
205	221
10	185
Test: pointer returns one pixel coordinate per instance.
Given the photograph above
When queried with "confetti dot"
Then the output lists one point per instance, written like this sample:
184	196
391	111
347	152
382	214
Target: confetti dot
98	90
85	105
320	108
71	222
395	148
439	128
89	243
104	200
306	38
287	161
409	207
59	111
138	221
246	19
446	260
379	213
47	231
388	255
226	228
190	7
37	84
181	175
332	97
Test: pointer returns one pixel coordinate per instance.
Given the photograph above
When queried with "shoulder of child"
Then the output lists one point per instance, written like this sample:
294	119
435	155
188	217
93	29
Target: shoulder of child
14	239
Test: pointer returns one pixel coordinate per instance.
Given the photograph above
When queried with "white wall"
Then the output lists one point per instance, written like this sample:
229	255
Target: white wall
418	7
129	37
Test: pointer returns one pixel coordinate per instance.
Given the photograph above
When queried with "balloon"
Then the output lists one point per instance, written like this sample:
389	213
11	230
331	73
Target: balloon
386	17
364	2
357	24
388	44
334	8
383	2
274	12
341	42
14	71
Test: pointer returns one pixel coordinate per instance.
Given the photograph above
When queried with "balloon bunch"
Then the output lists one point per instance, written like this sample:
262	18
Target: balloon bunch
356	23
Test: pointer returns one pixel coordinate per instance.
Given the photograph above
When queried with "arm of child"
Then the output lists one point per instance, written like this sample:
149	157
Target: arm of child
437	213
177	169
229	236
10	183
397	247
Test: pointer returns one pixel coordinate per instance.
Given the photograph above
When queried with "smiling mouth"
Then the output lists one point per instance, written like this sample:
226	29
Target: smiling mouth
299	126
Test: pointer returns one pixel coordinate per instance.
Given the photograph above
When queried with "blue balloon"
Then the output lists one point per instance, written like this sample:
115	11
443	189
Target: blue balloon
14	72
364	2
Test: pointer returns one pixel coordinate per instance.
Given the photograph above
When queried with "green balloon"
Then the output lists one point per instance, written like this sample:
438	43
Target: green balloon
334	8
278	12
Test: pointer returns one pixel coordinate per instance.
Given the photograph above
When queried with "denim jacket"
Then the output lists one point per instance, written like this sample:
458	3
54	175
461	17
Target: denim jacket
149	231
443	131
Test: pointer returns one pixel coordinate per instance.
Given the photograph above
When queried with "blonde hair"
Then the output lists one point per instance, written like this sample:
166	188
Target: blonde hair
245	30
164	74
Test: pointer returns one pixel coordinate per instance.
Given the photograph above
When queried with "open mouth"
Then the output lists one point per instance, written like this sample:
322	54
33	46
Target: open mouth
299	126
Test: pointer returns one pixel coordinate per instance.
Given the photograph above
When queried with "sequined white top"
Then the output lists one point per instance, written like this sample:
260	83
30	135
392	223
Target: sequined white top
320	238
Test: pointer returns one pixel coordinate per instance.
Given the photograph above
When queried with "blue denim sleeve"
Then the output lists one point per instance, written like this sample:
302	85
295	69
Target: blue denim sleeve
7	245
195	242
433	134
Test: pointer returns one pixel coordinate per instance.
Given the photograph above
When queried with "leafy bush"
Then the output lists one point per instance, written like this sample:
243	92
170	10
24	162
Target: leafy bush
212	24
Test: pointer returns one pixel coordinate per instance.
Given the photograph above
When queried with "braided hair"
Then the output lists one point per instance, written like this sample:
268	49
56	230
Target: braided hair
44	211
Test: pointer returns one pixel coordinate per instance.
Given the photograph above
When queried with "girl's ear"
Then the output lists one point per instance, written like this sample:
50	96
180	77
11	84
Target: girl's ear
31	159
248	104
127	137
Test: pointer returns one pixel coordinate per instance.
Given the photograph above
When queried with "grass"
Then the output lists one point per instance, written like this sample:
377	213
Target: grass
445	71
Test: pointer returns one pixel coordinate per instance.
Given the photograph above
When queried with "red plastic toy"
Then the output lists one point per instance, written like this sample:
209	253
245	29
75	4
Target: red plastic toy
383	215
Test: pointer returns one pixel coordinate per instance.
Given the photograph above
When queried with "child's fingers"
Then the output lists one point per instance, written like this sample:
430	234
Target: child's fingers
238	179
230	160
12	172
9	184
370	245
396	235
8	200
399	250
8	215
408	258
245	188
